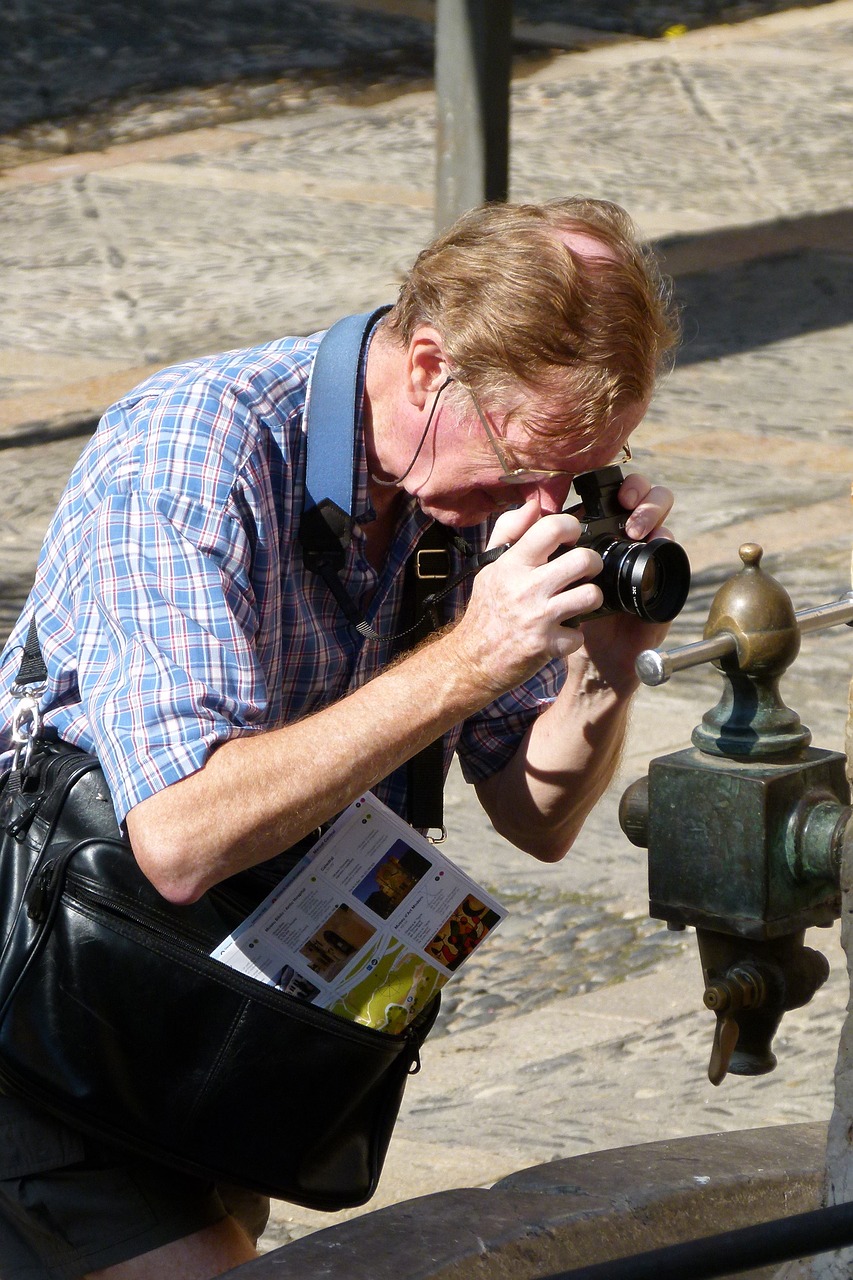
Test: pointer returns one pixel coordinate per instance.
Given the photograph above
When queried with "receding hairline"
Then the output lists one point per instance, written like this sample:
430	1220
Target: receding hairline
566	300
586	245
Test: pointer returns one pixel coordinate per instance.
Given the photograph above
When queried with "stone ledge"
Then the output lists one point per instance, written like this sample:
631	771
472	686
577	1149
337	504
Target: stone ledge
573	1212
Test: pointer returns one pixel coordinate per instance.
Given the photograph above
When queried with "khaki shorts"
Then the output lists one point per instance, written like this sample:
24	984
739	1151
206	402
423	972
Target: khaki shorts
70	1205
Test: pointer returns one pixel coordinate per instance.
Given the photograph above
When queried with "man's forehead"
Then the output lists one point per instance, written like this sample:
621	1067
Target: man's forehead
586	245
564	450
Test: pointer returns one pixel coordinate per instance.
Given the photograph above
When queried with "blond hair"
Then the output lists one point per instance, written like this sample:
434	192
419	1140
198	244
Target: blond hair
583	336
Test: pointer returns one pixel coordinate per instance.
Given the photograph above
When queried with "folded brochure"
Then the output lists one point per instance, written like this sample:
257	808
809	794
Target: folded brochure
370	924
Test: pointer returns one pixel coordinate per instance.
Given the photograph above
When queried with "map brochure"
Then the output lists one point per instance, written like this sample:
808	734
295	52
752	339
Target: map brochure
370	924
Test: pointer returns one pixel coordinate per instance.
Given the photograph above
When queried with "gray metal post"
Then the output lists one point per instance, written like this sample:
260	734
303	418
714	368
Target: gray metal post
472	78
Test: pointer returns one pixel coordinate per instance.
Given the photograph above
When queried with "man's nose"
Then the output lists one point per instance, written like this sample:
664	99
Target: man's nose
552	494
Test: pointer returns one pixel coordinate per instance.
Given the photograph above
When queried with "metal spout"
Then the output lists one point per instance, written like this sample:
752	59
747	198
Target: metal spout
749	985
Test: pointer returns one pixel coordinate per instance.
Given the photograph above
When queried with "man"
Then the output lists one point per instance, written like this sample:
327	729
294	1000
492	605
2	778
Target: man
233	708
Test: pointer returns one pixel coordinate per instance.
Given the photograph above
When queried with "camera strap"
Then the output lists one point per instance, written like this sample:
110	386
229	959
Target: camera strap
326	525
428	565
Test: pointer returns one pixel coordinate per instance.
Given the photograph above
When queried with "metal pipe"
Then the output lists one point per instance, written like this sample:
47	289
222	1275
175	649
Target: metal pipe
655	666
472	79
826	615
731	1252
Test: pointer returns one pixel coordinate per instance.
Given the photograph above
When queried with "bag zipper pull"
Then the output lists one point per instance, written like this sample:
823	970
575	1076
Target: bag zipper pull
19	826
37	898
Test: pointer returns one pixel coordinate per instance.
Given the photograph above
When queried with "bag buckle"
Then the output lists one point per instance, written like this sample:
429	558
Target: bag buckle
432	564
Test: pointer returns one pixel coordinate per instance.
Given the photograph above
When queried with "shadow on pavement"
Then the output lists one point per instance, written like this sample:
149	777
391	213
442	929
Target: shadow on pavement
66	57
747	287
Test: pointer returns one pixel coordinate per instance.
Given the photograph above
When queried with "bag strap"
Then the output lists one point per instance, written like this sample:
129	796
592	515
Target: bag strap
325	529
32	670
30	683
326	523
428	566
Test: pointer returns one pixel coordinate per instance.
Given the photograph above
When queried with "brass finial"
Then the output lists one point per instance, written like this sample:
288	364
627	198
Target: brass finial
757	610
751	719
751	553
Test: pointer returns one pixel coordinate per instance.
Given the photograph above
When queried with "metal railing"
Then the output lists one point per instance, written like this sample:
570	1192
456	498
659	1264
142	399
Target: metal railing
731	1252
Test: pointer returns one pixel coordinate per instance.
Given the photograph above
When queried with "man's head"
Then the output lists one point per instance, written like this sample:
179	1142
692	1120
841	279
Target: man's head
558	302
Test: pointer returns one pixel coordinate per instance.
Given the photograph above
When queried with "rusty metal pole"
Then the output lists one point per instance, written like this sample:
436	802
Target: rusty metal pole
472	79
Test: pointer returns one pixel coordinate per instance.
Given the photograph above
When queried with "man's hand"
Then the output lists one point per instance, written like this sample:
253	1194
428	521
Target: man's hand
542	797
513	624
611	644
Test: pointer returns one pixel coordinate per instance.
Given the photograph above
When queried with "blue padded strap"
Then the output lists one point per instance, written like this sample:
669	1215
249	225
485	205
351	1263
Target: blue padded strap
325	529
331	416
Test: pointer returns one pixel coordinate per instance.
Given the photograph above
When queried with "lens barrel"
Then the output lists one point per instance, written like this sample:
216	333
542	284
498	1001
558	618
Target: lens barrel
648	579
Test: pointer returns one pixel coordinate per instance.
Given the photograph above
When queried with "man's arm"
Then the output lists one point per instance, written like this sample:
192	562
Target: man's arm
258	794
541	798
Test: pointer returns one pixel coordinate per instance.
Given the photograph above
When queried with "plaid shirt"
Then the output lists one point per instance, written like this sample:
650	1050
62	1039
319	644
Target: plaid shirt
173	608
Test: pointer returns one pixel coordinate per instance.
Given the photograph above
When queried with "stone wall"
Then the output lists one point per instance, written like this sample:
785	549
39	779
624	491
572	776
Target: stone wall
839	1153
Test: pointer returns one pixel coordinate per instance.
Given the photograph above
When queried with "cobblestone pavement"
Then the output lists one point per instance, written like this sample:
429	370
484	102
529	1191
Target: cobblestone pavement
582	1026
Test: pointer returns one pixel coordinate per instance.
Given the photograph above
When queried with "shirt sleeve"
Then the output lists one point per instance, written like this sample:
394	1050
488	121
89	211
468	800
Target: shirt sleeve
170	670
166	616
490	738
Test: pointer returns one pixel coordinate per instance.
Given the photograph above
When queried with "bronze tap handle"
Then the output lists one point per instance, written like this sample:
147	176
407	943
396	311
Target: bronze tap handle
726	1036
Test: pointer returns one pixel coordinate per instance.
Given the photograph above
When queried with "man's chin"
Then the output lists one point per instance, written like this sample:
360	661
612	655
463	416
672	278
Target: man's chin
455	518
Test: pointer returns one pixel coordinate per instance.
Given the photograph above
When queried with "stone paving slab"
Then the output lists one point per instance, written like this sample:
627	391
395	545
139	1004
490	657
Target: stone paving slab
732	147
65	56
96	58
111	239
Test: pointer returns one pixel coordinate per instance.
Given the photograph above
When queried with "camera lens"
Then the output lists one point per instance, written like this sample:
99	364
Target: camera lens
648	586
649	579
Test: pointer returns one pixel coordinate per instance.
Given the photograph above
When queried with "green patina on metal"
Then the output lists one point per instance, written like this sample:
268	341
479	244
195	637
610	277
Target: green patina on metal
745	829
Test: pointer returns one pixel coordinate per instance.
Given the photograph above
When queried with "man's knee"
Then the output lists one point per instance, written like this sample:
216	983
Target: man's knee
201	1256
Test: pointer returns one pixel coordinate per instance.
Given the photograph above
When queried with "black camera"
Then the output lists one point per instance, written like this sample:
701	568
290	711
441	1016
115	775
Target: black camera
648	579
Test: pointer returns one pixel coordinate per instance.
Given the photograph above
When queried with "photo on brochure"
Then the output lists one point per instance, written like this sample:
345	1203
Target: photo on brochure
392	879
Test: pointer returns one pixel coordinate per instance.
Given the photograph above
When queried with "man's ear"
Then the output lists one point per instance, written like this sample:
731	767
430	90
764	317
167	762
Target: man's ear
426	365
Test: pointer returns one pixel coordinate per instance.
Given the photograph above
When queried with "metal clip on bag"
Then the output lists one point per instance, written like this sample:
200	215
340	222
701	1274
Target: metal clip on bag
114	1017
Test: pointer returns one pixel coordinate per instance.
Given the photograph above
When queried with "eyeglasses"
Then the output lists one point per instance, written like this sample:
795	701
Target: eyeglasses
522	475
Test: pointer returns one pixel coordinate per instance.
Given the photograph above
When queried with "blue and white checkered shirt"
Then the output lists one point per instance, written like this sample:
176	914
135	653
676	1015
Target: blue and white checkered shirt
172	605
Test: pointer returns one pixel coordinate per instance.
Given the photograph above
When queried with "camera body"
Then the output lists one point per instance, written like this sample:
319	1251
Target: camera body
648	579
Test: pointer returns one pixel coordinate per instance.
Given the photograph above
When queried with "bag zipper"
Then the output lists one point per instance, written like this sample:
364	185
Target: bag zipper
85	895
38	896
